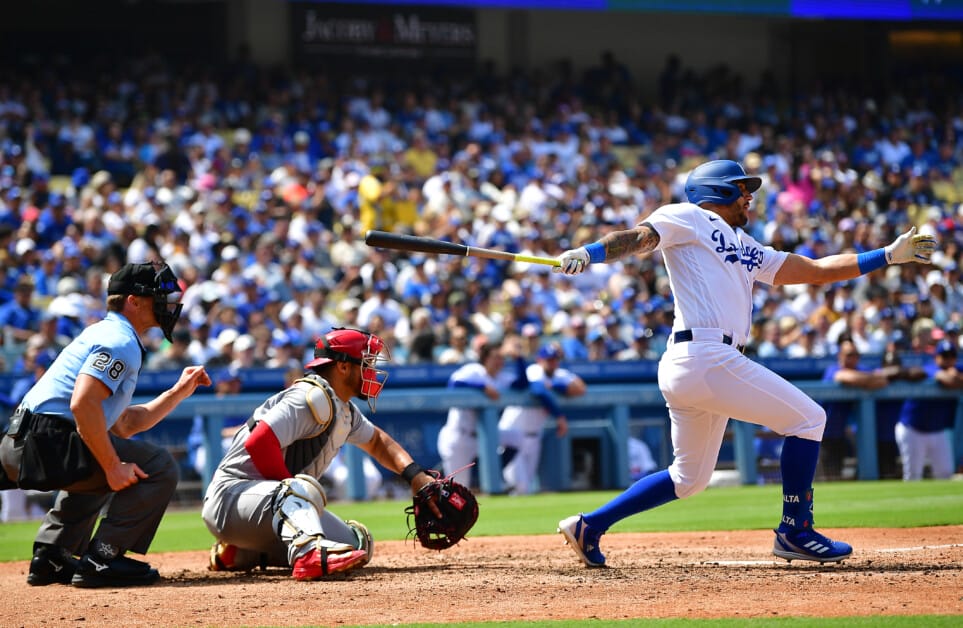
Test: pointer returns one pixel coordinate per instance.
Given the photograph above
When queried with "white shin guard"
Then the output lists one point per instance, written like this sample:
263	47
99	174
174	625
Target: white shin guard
297	515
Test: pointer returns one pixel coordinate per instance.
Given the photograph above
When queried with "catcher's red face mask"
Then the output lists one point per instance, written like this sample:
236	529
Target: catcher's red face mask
356	347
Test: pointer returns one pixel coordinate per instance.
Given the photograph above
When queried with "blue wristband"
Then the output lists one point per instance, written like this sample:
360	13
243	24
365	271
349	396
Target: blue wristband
871	260
596	252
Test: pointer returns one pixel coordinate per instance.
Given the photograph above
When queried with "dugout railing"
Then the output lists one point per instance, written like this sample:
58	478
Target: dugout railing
607	412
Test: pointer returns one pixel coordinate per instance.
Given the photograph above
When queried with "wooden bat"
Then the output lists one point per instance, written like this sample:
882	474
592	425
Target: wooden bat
402	242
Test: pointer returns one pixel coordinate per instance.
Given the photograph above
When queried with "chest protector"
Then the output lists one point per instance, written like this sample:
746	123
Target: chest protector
301	453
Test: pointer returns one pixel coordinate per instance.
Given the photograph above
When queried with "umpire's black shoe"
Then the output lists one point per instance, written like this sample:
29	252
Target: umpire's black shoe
94	572
51	565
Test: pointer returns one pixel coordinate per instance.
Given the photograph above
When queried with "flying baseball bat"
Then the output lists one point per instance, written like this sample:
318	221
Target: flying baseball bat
402	242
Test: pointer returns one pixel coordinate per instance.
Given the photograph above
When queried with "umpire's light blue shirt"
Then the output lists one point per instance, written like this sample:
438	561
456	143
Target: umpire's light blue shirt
110	351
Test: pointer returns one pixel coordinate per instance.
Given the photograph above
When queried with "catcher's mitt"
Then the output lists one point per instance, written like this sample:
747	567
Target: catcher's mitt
459	511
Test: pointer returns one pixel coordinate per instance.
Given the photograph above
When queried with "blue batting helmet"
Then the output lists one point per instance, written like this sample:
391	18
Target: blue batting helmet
715	182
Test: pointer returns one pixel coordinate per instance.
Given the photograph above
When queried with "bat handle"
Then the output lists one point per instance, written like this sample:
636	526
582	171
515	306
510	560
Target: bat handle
534	259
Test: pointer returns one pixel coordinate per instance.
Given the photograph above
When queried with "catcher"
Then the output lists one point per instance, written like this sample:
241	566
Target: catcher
265	504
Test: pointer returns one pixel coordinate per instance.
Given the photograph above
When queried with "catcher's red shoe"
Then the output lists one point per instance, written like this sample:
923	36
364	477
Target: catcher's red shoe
222	557
322	561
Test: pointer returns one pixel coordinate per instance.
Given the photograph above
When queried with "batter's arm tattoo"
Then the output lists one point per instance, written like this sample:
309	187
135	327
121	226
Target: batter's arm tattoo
638	240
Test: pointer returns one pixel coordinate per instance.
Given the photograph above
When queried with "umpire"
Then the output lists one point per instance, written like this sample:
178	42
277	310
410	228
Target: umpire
72	432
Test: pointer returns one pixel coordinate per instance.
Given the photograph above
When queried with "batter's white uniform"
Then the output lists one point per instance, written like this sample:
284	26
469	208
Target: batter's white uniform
521	427
238	503
458	438
711	269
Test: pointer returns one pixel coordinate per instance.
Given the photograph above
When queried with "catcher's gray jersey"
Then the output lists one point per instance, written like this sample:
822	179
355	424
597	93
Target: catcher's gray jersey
299	412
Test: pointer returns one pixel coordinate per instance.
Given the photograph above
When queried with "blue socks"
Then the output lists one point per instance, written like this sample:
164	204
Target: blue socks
649	492
798	465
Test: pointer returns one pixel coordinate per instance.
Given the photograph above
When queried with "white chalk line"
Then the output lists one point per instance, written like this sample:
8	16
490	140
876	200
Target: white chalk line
919	548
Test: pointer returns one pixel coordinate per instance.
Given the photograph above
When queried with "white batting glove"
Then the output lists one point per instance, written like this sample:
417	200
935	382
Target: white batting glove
573	261
911	247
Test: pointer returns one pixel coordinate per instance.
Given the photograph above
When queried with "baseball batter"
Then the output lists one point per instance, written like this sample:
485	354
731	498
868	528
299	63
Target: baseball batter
712	265
521	427
458	437
265	504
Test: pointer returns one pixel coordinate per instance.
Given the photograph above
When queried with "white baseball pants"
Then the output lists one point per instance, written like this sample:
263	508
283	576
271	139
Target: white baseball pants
917	448
705	382
458	447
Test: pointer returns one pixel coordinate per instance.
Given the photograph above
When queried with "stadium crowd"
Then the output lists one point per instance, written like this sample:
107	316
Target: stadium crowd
257	186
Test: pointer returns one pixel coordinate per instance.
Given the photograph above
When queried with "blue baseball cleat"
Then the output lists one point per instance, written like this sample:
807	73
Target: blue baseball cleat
809	545
583	539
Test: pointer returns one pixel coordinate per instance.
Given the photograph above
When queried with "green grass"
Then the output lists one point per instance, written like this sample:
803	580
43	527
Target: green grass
884	504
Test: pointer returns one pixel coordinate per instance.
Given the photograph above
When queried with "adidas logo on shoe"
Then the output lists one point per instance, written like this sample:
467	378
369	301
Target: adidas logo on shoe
808	544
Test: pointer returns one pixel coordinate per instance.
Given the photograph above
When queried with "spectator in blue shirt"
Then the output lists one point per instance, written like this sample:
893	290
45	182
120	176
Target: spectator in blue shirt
575	339
54	221
19	319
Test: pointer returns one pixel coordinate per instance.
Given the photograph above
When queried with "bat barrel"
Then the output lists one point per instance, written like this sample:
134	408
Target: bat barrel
419	244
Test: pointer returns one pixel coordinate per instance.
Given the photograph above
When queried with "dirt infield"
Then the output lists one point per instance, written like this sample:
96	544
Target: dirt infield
718	574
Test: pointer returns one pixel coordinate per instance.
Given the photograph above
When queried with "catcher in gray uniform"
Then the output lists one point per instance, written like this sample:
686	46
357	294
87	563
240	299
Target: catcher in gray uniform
265	504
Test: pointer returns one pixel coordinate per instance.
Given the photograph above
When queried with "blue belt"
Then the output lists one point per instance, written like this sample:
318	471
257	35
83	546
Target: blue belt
686	336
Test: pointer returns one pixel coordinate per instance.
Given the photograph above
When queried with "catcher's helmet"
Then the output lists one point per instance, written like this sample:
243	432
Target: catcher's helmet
150	279
715	182
357	347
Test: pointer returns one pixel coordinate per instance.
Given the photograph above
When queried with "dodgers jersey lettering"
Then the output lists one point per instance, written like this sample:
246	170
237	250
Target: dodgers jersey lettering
109	351
712	277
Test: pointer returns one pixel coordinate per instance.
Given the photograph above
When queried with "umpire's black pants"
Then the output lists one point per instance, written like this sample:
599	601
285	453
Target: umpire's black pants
132	515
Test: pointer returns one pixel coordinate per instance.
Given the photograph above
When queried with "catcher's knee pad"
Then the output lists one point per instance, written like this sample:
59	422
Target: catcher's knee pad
298	504
365	541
